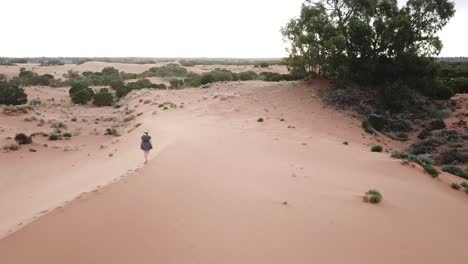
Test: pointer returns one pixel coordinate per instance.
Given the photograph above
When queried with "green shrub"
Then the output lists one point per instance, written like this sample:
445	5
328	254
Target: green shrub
11	94
11	147
116	84
455	186
425	134
377	148
217	75
372	196
399	154
436	124
103	98
455	171
82	97
248	75
452	155
464	185
430	170
425	146
67	135
367	126
176	83
54	136
35	102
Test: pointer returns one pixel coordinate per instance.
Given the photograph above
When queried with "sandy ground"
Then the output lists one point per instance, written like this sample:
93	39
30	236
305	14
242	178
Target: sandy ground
220	187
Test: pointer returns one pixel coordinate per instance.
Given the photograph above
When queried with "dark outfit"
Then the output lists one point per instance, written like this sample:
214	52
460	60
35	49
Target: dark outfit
145	143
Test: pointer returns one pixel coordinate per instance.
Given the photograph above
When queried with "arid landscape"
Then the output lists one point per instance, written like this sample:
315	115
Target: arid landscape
246	132
242	172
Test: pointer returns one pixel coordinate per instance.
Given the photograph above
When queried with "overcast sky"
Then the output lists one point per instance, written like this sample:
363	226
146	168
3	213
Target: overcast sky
164	28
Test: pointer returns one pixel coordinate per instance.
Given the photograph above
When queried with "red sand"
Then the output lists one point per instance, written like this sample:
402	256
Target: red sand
224	188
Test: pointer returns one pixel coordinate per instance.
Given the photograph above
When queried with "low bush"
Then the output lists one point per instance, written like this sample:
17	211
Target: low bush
260	120
372	196
399	154
425	146
11	94
455	171
455	186
452	155
436	124
377	148
10	147
67	135
54	136
81	94
103	98
23	139
430	170
248	75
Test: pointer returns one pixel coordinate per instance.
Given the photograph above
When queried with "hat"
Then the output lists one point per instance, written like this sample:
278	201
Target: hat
145	131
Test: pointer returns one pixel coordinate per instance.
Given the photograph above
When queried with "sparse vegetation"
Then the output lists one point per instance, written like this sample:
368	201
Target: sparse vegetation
455	186
23	139
11	94
431	170
54	136
103	98
80	93
377	148
11	147
372	196
455	171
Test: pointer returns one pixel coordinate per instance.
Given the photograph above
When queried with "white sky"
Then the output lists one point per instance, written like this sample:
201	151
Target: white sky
169	28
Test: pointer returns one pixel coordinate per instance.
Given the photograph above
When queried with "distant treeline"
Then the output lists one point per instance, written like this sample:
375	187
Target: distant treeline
45	61
454	59
256	62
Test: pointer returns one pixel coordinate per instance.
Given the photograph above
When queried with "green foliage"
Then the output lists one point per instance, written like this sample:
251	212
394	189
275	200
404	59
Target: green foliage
144	83
464	185
436	124
399	154
67	135
82	96
430	170
54	136
455	186
377	148
452	155
455	171
116	84
217	75
372	196
373	43
425	146
27	78
248	75
169	70
176	83
122	91
367	126
11	94
103	98
11	147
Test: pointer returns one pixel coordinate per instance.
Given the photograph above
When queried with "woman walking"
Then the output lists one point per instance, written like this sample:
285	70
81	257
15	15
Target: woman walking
146	145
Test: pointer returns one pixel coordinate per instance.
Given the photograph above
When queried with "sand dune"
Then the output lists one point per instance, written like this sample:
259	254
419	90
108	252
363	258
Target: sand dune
224	188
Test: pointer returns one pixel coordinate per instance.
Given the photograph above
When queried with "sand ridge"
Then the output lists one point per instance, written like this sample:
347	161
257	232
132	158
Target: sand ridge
224	188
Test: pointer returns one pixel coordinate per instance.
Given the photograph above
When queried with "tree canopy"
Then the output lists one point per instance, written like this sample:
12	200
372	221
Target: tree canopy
369	41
